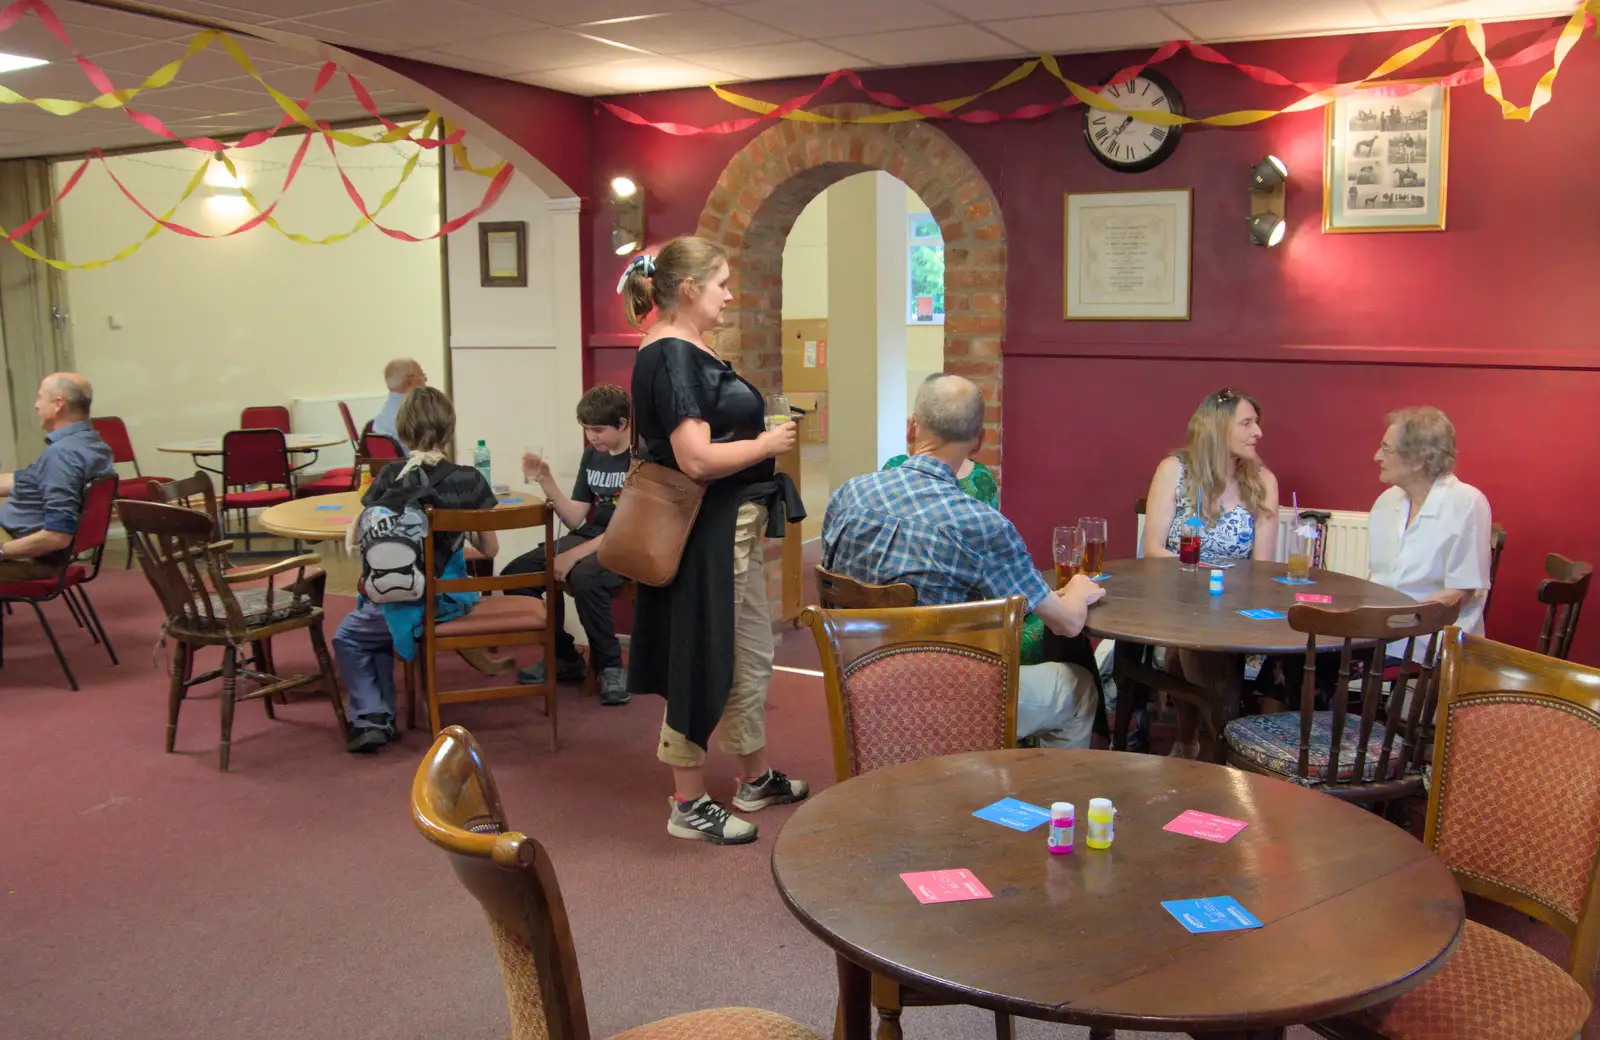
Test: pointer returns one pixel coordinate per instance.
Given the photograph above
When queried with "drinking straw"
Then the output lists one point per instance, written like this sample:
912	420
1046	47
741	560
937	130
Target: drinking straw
1295	495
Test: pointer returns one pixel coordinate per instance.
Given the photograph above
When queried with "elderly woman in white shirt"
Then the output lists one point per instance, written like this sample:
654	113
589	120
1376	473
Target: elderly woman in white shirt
1428	534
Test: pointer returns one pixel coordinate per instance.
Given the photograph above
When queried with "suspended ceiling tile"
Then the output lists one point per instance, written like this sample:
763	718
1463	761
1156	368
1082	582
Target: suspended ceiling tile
1216	20
470	63
542	49
74	14
843	17
687	31
1095	31
1412	12
208	66
916	46
568	12
627	77
261	11
777	60
31	39
995	10
422	23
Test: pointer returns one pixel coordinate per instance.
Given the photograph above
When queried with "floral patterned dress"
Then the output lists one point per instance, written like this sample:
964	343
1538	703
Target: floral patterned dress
1230	537
980	484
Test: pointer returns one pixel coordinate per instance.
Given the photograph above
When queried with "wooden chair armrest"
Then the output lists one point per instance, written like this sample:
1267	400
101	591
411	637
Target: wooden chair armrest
267	570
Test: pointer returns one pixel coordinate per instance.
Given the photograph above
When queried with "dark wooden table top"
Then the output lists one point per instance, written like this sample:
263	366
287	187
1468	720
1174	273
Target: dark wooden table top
1354	910
1154	601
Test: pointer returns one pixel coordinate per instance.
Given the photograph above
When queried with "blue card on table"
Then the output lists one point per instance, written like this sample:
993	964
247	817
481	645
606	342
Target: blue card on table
321	509
1294	581
510	501
1018	815
1262	614
1215	914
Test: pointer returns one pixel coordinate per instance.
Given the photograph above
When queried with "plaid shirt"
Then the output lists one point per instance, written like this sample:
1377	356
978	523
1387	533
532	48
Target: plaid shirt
915	524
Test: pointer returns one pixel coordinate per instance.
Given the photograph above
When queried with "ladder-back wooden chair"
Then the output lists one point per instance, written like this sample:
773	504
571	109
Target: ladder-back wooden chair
1562	594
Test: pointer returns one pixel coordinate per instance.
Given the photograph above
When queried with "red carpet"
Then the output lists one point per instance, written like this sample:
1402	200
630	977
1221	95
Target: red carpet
147	895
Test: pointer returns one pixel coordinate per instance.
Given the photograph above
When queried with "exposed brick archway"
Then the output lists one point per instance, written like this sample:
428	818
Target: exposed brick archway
770	181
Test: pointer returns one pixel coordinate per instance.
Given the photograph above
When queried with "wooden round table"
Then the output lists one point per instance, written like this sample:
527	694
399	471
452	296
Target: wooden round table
213	445
326	518
1154	602
1354	910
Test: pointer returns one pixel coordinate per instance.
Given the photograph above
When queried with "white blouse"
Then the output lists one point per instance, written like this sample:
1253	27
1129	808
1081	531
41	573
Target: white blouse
1445	547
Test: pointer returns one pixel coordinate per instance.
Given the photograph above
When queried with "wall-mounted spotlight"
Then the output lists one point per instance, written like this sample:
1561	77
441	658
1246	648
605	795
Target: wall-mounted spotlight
1269	180
627	216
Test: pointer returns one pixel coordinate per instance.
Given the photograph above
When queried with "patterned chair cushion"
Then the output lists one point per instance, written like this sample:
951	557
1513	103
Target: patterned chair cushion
734	1023
1519	798
253	604
1493	986
913	702
1273	743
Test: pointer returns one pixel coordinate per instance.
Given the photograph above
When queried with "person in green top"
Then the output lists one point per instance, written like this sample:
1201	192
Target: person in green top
979	483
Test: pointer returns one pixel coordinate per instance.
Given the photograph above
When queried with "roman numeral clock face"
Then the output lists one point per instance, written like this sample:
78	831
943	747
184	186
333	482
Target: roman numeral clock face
1127	144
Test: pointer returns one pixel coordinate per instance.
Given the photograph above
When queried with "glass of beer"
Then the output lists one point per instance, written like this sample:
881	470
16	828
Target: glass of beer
777	410
1066	546
1302	545
1094	544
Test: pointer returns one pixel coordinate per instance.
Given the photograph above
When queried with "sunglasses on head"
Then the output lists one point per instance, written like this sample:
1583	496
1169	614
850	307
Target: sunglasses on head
1224	396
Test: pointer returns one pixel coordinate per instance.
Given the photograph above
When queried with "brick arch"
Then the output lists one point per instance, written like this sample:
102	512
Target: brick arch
763	190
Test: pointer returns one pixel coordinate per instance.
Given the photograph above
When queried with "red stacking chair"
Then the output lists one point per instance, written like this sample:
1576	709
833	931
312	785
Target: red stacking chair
75	574
265	417
255	474
114	432
377	446
350	428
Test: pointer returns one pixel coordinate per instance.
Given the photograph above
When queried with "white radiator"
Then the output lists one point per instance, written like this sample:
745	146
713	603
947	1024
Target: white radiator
1344	552
321	415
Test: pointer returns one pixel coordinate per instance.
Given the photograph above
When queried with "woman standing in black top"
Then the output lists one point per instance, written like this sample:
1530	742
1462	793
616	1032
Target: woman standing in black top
705	641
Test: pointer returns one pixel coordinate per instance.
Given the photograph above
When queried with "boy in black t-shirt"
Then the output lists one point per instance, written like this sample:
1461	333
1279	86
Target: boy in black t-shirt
604	413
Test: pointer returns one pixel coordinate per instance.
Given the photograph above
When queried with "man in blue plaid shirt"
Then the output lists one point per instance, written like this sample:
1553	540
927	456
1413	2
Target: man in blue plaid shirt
915	524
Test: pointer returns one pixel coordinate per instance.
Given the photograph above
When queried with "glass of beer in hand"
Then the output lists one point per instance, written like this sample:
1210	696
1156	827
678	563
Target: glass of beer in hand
777	410
1094	544
1066	545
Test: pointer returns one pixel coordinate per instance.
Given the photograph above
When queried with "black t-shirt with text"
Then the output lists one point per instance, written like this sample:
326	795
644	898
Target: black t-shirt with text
600	477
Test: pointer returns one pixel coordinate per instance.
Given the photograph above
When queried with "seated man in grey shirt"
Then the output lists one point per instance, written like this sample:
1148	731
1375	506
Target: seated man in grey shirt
39	516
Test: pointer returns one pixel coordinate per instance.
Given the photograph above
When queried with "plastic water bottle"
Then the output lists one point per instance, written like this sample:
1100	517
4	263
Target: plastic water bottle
480	462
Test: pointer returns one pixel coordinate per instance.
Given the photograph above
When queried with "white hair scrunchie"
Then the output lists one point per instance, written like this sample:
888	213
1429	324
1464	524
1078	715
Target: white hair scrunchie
643	262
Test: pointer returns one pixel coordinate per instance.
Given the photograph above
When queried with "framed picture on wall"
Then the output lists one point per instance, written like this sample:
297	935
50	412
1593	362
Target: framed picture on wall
503	253
1385	160
1127	256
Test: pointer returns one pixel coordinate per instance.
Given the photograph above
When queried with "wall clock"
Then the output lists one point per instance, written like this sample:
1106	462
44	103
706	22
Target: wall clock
1124	143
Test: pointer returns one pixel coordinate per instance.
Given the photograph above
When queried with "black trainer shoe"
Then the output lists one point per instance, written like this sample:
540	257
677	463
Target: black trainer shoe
614	687
773	788
366	740
566	671
707	820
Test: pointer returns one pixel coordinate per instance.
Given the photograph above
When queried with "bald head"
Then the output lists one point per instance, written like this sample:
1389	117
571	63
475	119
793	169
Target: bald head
950	409
403	374
64	397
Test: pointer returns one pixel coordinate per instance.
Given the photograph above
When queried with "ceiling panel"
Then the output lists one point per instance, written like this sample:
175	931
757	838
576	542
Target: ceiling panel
939	43
628	76
844	17
568	12
994	10
799	58
544	49
1260	19
1095	31
681	33
422	23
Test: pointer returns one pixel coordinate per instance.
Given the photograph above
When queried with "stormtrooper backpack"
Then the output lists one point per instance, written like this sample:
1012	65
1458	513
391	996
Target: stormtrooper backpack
391	535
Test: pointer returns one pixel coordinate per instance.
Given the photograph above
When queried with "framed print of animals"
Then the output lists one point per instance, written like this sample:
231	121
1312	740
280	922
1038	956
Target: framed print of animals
1130	145
1385	160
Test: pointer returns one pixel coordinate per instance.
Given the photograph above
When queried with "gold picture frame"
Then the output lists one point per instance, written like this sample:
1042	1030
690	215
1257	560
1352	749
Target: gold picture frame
1127	255
503	254
1385	162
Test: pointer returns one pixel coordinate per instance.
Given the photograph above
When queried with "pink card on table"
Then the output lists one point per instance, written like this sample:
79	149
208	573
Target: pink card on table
1311	597
945	886
1198	824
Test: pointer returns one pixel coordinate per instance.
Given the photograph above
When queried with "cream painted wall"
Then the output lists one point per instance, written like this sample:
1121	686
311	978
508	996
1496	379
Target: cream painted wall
8	440
181	336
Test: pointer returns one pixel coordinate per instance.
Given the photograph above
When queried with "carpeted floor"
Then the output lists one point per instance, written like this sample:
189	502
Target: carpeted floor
147	895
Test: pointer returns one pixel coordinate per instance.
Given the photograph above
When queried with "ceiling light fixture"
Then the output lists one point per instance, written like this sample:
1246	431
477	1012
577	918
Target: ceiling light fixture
1269	181
13	62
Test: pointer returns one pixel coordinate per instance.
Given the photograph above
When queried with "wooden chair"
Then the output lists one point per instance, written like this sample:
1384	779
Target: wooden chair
456	806
1562	594
497	621
1382	759
139	487
837	592
208	604
265	417
1497	545
1514	811
908	683
80	566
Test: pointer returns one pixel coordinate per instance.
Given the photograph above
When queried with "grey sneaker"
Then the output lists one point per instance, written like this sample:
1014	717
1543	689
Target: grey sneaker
707	820
614	687
566	671
773	788
366	740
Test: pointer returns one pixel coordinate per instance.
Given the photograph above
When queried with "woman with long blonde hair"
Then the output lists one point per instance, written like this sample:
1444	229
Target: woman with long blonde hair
1219	477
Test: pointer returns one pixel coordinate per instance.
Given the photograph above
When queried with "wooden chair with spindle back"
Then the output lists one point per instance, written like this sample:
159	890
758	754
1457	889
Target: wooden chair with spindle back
908	683
837	592
456	806
1497	545
1514	812
1375	754
1562	594
210	604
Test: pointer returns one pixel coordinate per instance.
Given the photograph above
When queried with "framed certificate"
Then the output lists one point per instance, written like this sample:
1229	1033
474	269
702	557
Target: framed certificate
1127	255
503	253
